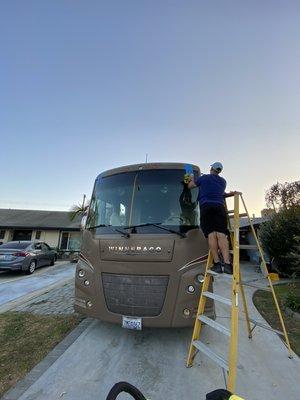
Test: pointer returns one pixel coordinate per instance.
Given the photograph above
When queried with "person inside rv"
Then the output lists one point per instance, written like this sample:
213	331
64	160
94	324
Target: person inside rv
115	219
188	206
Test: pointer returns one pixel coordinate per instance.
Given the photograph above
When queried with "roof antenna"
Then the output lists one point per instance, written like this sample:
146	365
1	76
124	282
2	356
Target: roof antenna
146	158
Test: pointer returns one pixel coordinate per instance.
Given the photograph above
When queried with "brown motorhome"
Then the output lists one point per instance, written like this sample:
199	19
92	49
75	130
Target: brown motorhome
143	255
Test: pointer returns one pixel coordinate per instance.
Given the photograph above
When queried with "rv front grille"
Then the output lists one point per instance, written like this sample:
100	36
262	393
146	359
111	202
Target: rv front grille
135	295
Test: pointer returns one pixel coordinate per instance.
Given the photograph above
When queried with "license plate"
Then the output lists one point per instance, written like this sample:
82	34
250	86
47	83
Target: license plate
132	323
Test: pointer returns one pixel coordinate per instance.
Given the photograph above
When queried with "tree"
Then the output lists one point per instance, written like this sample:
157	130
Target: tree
80	209
280	238
280	235
283	195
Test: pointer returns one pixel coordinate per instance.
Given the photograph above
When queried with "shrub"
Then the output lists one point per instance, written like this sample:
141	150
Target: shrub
293	301
280	238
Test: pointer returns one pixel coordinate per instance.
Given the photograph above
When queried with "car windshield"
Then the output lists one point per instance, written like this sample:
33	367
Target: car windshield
143	198
14	245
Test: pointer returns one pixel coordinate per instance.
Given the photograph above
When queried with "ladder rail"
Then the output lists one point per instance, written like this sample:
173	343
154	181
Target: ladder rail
245	306
287	342
233	344
201	307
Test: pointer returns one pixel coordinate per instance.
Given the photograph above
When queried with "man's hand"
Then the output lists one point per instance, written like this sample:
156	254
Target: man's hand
232	193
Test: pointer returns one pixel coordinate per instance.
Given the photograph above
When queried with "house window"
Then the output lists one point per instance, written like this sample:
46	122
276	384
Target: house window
38	235
22	234
70	241
74	241
2	233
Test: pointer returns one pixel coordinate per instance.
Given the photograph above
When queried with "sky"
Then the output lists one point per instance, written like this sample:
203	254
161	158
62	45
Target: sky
86	86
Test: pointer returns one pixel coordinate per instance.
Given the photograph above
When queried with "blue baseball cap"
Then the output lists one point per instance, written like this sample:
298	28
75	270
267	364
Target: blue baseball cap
217	166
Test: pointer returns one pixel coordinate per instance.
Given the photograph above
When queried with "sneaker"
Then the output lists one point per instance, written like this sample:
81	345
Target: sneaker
217	267
228	269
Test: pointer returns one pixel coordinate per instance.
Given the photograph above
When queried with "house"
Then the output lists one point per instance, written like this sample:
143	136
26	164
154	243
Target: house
52	227
247	237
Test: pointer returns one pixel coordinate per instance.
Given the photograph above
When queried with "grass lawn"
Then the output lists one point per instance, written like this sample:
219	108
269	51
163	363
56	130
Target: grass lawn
264	303
25	339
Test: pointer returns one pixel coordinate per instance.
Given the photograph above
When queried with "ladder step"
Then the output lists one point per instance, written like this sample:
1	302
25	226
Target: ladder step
214	324
217	298
248	246
240	215
209	353
216	274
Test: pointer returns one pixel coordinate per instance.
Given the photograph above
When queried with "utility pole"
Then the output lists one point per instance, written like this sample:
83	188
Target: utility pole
146	158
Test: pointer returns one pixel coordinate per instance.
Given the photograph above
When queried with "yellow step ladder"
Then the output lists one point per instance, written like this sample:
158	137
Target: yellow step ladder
230	366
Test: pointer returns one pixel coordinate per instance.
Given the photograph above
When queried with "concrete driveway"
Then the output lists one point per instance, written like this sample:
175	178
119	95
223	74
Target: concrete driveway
15	287
154	361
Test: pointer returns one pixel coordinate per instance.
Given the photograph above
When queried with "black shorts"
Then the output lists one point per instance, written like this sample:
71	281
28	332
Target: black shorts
213	218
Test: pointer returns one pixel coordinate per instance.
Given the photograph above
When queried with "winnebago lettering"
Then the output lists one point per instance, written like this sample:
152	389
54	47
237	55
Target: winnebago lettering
133	249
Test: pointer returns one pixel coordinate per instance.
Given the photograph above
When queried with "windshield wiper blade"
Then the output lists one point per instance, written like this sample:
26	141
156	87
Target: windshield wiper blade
140	225
97	226
124	233
158	225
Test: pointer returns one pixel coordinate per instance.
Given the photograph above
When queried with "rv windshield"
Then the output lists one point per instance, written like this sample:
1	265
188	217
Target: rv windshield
143	197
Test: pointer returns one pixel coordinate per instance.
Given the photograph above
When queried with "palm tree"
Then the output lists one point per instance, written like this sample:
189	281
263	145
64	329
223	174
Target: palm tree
80	209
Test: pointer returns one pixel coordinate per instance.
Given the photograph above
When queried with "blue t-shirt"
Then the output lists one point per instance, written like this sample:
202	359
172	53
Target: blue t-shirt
211	189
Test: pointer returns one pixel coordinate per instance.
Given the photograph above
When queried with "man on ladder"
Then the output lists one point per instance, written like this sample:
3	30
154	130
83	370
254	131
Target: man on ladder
213	217
229	363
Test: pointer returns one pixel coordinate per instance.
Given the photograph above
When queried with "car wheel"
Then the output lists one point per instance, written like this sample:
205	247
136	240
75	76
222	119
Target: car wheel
31	267
52	261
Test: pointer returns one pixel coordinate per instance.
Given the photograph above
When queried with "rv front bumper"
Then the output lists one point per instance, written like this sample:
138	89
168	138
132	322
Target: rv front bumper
161	301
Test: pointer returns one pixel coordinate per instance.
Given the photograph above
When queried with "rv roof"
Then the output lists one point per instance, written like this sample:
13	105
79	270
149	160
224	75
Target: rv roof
145	166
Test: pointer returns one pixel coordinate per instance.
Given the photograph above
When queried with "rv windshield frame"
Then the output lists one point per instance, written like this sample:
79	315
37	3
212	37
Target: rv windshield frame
144	198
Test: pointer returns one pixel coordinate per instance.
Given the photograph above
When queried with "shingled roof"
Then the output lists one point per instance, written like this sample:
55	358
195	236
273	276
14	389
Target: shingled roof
244	222
35	219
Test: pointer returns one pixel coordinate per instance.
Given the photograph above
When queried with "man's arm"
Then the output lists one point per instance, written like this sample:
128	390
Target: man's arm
192	184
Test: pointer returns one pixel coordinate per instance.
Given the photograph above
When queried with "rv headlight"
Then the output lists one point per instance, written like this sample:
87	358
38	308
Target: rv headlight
81	273
190	289
186	312
200	278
